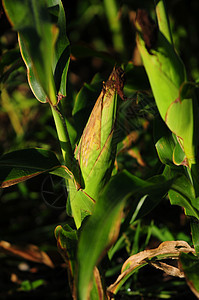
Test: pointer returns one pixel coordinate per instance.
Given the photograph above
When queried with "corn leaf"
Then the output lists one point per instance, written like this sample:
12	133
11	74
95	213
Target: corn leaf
166	250
102	228
190	266
67	245
182	192
67	241
36	37
164	142
61	58
79	204
44	46
97	292
20	165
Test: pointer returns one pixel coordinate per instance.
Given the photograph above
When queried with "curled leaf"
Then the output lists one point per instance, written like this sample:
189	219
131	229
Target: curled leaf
170	249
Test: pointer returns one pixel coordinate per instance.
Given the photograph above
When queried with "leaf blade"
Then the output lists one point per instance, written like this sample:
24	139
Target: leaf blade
20	165
103	226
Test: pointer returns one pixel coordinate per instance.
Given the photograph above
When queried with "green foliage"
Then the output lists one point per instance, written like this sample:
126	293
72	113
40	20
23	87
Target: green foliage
33	16
21	165
103	226
190	266
26	285
112	174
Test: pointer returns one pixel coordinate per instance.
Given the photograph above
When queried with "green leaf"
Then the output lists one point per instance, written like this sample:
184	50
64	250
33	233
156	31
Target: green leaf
79	204
181	119
20	165
99	232
164	142
190	266
62	171
163	20
182	192
27	285
103	226
97	292
37	37
67	246
153	195
67	241
194	231
62	47
179	157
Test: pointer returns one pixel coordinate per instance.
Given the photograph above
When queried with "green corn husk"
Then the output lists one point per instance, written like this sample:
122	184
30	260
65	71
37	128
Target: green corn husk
174	97
96	150
164	68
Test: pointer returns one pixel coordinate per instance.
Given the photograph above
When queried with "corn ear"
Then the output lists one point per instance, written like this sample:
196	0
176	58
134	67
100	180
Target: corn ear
164	68
174	98
97	148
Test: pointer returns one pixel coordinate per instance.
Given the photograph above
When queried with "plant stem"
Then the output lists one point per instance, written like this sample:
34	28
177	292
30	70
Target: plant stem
163	20
63	136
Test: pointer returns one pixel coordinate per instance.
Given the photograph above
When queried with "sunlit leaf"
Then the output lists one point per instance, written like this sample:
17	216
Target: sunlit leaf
30	18
164	142
67	246
62	50
179	157
35	27
164	68
181	121
79	204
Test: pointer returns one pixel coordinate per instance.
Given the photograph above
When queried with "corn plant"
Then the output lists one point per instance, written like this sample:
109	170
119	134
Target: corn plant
102	201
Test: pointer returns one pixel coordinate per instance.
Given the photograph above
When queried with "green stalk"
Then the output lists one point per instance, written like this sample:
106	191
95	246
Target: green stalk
163	20
112	13
63	136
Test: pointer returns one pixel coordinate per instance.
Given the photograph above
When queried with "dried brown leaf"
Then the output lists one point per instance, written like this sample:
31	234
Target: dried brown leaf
29	252
166	250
